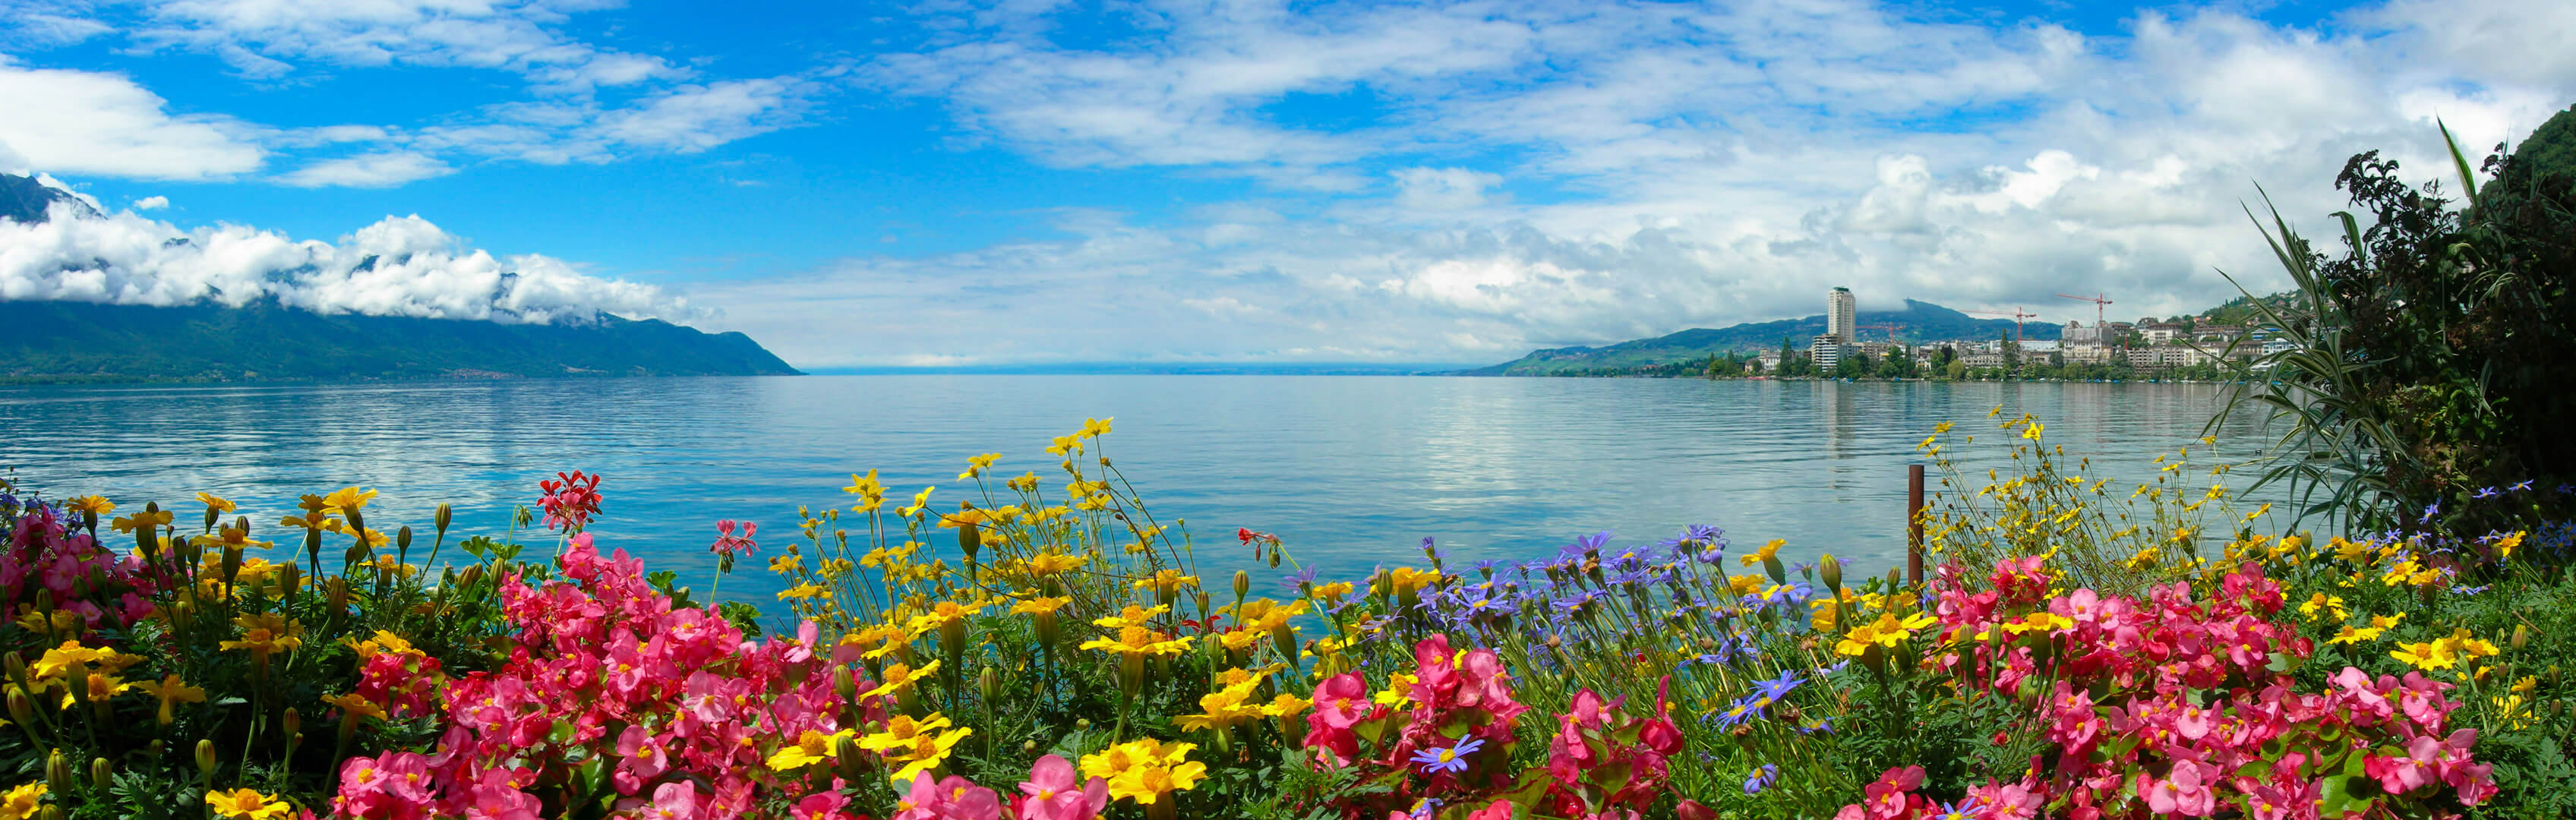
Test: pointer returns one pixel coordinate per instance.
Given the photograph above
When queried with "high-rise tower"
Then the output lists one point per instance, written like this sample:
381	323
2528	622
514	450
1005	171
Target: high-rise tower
1841	313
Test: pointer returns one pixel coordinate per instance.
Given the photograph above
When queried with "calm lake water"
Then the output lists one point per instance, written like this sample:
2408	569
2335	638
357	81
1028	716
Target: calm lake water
1349	470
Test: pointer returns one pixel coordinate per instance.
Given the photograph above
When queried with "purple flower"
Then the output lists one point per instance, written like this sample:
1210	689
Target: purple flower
2489	492
1825	725
1762	779
1452	759
1297	582
1777	688
2525	485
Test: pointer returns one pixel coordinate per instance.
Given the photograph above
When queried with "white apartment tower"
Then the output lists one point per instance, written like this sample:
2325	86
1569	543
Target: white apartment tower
1841	313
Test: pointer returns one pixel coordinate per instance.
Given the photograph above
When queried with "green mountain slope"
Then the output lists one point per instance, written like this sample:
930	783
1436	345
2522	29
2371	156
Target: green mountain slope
1918	321
80	341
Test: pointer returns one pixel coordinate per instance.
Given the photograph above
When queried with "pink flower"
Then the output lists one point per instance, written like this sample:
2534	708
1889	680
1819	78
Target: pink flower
822	805
2180	792
1054	794
954	798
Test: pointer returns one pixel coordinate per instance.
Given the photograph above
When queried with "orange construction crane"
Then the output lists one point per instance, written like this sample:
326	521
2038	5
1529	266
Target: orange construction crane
2099	302
2016	315
1891	330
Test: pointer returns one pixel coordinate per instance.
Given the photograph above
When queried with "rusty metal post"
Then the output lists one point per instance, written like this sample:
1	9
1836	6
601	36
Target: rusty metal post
1914	524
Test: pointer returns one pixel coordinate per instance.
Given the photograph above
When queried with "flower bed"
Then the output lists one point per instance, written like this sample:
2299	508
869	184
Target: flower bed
1052	652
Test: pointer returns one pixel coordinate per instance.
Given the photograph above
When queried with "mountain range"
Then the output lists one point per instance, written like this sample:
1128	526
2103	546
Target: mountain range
1917	322
56	341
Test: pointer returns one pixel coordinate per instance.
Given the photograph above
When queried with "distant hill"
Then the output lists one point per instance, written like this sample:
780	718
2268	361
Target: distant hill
1919	321
81	341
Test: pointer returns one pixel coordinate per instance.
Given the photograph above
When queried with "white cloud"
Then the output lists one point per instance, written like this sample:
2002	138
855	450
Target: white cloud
151	203
377	170
99	123
1701	165
399	266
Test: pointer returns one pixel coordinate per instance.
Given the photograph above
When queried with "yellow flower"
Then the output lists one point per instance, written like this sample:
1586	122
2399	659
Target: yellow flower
870	491
805	591
1145	770
2352	635
899	677
1398	691
267	632
1051	563
1141	641
1040	606
2320	602
919	501
61	661
2031	432
1886	631
1766	553
1133	615
23	802
1222	708
356	704
145	520
1095	428
914	744
976	465
216	503
348	499
89	504
2427	656
311	521
245	804
1286	705
810	748
2039	622
170	691
1167	581
2505	546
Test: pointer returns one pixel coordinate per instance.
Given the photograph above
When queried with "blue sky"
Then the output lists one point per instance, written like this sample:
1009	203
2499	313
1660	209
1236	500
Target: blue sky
1028	181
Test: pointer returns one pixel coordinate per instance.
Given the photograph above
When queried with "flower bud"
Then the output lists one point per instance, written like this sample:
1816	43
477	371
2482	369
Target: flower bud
101	773
442	516
1242	584
206	757
232	562
58	772
1832	572
212	515
336	593
290	579
22	709
1049	632
991	684
293	722
1274	559
17	668
402	543
45	601
2521	635
50	812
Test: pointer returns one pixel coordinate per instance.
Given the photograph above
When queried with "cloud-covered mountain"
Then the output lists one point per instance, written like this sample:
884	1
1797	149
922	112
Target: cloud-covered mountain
1919	321
56	247
95	295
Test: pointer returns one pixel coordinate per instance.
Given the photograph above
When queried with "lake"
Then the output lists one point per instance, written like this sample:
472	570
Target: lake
1349	470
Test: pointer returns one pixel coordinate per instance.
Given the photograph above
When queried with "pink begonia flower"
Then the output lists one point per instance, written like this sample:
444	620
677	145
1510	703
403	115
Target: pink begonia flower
1054	793
1498	810
823	805
2180	792
954	798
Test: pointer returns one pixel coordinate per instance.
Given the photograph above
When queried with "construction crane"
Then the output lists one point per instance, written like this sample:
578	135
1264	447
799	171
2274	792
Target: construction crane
2016	315
2099	302
1891	330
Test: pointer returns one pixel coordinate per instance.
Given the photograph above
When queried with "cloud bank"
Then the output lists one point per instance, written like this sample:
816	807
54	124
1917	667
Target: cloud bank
399	266
1540	174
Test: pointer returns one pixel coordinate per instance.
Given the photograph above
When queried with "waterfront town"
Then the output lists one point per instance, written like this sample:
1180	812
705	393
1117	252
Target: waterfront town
2177	346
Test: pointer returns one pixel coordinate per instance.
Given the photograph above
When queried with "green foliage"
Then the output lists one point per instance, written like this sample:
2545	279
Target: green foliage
2429	361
